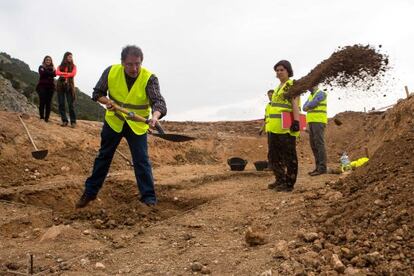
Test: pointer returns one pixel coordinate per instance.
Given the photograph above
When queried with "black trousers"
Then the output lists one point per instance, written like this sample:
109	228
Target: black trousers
45	100
283	158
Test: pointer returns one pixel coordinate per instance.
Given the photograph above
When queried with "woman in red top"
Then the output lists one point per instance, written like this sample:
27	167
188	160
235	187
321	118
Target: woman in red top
45	87
66	89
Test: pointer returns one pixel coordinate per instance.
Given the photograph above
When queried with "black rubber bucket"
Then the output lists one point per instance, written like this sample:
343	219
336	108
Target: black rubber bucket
260	165
237	163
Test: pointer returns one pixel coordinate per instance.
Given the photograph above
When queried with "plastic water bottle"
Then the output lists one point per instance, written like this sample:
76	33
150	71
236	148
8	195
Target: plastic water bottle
345	163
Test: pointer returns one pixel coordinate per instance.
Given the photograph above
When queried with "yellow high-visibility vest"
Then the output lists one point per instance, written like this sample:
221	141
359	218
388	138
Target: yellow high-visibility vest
280	104
319	113
134	100
267	110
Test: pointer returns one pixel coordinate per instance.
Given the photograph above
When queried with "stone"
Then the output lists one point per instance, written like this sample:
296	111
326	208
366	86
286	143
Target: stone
196	266
64	266
373	257
53	232
266	273
98	224
310	259
396	265
59	260
347	253
111	223
86	232
281	250
352	271
12	266
358	262
254	237
84	262
337	264
124	270
310	237
129	222
99	266
317	246
205	270
350	236
333	196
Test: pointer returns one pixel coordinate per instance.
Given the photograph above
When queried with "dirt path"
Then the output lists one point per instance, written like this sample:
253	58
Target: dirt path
202	217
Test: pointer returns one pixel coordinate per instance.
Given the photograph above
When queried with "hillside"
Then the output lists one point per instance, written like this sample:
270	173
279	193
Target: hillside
24	81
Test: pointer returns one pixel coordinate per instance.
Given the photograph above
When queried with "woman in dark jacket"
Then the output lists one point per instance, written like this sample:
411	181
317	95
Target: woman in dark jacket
66	89
46	87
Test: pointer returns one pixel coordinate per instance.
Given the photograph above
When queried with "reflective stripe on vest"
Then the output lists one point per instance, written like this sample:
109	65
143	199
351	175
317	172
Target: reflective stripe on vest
319	113
279	105
267	109
134	100
130	106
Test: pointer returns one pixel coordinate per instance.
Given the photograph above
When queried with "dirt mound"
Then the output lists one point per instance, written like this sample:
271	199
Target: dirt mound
347	65
372	223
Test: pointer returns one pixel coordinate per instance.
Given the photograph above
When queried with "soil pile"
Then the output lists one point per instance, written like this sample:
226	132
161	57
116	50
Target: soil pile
348	65
372	223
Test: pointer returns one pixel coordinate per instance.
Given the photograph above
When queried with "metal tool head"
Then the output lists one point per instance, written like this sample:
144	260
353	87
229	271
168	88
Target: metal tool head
39	154
174	137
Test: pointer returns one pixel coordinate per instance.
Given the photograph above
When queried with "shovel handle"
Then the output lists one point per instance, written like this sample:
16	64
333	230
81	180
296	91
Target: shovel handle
138	118
28	133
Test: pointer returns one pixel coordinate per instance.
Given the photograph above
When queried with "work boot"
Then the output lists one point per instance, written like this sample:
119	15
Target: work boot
315	173
273	185
72	125
84	200
310	173
63	124
284	188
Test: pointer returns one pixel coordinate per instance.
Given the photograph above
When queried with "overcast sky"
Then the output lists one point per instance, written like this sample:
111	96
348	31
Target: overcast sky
214	58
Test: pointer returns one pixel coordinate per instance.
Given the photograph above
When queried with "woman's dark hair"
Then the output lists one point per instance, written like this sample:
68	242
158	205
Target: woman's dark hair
65	63
286	64
44	61
131	50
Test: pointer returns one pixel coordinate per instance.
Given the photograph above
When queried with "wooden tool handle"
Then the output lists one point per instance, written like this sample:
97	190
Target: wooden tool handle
138	118
28	133
126	111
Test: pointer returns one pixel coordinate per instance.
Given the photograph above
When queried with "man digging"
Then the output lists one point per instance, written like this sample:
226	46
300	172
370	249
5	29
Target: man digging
133	87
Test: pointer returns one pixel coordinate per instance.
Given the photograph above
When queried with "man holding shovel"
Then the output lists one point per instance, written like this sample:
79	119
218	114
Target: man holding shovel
134	88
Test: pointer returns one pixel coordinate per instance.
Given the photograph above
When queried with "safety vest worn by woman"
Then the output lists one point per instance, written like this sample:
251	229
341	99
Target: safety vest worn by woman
135	100
267	110
319	113
280	104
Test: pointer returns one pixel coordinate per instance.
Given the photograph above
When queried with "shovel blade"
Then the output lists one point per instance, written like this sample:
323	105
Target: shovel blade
174	137
39	154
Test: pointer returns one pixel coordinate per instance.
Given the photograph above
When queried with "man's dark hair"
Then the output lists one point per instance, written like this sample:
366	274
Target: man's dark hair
131	50
270	91
286	64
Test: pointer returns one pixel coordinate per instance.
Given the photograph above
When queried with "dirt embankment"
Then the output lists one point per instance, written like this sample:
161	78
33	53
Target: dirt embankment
370	224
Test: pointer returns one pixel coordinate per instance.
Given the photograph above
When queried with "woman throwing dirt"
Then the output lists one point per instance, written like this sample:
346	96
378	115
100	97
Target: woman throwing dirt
66	89
282	141
46	87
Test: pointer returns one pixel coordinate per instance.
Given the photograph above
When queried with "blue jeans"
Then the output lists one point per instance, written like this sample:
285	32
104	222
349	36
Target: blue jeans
139	151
